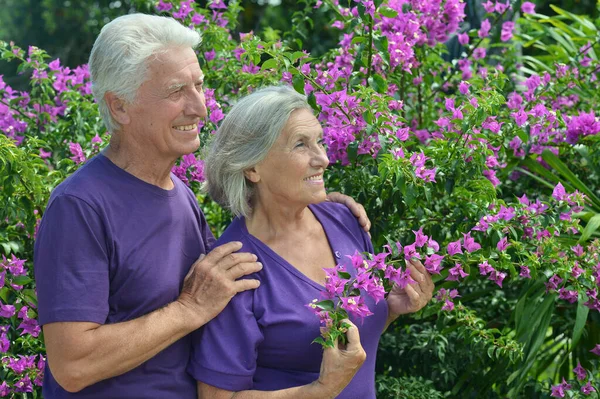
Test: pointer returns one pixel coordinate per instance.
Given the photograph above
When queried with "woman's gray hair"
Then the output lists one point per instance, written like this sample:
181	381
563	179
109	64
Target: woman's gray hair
119	59
243	140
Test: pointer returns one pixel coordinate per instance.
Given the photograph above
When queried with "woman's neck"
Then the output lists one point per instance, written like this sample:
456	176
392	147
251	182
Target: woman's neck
274	221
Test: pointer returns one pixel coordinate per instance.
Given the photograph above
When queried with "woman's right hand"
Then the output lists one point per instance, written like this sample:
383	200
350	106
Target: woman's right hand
340	363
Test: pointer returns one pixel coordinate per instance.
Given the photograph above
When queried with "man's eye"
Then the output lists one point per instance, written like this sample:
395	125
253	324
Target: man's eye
199	86
321	142
299	144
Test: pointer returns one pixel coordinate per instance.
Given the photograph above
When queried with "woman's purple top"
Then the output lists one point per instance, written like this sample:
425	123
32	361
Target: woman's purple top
263	338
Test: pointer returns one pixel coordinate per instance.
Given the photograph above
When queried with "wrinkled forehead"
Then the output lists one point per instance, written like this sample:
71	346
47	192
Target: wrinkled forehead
302	122
175	66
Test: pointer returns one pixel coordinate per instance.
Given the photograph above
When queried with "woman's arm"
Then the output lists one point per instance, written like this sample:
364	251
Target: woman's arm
338	367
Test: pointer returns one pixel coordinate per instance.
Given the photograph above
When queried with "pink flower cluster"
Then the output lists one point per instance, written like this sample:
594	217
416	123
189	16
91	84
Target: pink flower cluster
581	374
26	368
189	169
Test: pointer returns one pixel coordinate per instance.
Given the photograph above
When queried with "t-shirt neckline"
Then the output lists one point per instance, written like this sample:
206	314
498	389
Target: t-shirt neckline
279	259
139	182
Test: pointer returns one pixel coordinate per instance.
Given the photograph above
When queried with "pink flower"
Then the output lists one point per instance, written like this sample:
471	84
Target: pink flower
7	311
525	272
401	277
469	243
580	372
528	8
596	350
433	244
355	306
463	87
559	192
497	277
432	263
479	53
456	273
587	388
558	391
463	39
485	28
420	238
454	248
411	252
507	31
448	305
78	155
502	244
485	268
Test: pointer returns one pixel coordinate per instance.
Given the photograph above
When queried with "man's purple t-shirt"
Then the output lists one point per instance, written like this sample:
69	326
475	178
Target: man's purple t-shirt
112	248
263	338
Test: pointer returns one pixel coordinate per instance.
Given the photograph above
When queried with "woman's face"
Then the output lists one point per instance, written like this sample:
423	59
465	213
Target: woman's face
292	172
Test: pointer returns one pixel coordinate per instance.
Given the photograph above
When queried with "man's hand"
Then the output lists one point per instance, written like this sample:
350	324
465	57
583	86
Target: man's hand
357	209
213	280
339	365
414	296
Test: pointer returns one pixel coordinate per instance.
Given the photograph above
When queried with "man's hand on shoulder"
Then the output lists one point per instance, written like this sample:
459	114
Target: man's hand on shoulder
214	279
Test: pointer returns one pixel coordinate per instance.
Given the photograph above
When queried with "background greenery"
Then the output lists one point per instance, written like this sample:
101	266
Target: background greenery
428	355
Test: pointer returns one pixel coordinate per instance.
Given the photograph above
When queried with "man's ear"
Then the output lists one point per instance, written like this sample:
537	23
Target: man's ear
118	108
252	174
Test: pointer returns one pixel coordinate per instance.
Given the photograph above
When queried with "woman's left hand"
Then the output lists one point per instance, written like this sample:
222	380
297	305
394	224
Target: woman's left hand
357	209
414	296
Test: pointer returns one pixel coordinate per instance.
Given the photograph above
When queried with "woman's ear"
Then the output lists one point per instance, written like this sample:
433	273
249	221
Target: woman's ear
118	108
252	174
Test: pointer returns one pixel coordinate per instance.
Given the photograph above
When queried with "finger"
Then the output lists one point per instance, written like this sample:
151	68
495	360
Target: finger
427	284
415	274
414	297
232	260
221	251
352	335
418	265
245	285
243	269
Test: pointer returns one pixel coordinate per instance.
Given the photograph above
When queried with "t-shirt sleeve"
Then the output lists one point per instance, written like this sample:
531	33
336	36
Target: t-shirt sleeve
71	264
224	351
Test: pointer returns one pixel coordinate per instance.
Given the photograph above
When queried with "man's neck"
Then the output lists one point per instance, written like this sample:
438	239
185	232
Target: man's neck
140	163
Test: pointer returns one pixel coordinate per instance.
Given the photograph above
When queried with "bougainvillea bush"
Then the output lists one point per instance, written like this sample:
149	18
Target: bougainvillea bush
484	167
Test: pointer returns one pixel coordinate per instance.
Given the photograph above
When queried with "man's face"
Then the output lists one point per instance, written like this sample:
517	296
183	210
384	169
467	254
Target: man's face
169	105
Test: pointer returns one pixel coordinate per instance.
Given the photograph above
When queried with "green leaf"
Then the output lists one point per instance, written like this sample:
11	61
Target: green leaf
345	275
269	64
352	151
563	169
298	83
325	305
388	12
21	280
591	226
580	320
378	83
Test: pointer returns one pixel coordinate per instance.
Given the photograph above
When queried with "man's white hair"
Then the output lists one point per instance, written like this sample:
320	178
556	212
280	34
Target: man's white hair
119	59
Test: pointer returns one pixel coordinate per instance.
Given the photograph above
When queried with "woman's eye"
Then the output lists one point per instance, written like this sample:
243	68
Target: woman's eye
299	144
199	87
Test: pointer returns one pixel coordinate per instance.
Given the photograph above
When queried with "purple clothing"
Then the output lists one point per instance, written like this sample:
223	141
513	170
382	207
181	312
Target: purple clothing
263	338
112	248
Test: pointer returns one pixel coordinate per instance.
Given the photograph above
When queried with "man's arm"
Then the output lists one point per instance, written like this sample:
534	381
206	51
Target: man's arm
82	353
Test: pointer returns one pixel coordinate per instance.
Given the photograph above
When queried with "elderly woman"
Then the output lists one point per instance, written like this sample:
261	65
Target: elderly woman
266	165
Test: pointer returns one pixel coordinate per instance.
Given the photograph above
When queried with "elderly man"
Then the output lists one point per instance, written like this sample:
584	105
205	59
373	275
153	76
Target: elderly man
119	260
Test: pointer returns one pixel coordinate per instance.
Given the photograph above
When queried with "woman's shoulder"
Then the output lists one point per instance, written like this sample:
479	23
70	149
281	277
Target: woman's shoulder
335	212
236	231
